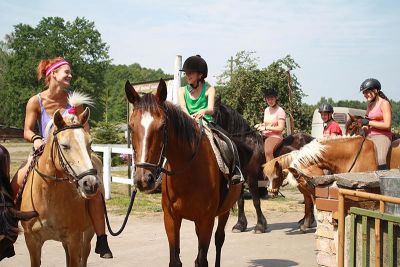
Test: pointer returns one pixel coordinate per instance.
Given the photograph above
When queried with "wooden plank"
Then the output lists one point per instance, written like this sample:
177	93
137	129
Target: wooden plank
365	254
376	215
390	246
377	242
341	221
353	237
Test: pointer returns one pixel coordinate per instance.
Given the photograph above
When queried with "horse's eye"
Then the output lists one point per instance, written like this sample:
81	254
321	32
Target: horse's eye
65	147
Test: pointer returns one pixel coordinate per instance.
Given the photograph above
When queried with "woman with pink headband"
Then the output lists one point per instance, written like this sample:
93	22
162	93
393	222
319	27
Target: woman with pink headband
57	76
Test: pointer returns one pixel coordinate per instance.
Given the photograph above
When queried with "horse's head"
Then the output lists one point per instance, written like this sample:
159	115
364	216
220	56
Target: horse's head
148	123
352	125
276	174
71	145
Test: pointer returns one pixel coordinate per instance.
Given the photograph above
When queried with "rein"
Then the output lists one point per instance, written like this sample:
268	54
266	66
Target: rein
358	154
159	168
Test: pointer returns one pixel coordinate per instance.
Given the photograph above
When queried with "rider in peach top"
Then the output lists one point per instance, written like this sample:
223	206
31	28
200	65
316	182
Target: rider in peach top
378	120
273	125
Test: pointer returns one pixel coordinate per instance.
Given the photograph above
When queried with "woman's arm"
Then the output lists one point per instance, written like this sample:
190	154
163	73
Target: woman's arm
31	117
386	124
181	100
278	128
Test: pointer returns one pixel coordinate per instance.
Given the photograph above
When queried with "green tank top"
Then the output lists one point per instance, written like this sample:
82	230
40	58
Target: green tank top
194	105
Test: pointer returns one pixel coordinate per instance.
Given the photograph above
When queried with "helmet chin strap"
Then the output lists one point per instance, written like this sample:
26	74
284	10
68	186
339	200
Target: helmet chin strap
194	86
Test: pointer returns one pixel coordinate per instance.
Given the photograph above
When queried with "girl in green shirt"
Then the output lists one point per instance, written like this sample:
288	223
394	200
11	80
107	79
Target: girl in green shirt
195	98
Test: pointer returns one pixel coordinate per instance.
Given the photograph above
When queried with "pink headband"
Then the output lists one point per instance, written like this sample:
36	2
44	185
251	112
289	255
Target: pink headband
55	66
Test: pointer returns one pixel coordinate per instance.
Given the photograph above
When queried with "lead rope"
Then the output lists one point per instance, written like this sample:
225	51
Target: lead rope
35	156
128	212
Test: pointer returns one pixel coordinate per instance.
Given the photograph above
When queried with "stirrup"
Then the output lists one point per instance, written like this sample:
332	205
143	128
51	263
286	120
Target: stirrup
237	177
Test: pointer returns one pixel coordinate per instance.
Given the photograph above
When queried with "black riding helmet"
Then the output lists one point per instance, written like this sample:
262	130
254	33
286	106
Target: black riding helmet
325	107
270	92
196	63
369	84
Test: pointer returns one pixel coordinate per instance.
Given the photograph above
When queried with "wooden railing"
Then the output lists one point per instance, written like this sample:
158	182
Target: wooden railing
365	214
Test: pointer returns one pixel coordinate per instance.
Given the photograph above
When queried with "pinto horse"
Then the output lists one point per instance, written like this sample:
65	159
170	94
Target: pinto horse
9	217
193	187
250	146
58	187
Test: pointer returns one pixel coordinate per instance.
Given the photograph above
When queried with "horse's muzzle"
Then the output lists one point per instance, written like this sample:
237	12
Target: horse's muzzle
89	186
145	180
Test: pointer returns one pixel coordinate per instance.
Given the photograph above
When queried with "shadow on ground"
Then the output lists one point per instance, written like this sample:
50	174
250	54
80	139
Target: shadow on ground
272	263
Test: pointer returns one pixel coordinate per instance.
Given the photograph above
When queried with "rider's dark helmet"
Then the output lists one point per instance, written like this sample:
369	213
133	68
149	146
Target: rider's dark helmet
325	107
369	84
270	92
196	63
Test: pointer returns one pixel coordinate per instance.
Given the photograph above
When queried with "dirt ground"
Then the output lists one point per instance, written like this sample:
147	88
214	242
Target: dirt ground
144	243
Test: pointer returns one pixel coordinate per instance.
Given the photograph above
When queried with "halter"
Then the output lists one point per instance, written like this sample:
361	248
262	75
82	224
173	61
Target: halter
157	169
73	177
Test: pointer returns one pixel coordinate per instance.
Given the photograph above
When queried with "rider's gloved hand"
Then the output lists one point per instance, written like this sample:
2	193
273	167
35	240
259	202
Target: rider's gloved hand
364	121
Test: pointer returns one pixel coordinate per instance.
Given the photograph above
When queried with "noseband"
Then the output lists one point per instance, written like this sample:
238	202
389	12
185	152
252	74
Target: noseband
73	177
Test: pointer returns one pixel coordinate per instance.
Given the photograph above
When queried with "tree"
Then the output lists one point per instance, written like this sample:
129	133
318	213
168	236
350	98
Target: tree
241	86
115	78
78	42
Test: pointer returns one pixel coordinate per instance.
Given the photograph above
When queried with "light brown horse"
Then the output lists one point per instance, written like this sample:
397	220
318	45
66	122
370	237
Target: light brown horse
193	187
337	155
393	157
62	179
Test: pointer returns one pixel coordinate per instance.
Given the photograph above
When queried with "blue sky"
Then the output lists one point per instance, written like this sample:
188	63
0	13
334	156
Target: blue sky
338	44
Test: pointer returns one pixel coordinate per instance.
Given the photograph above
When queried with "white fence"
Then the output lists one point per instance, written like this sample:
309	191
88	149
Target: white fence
107	151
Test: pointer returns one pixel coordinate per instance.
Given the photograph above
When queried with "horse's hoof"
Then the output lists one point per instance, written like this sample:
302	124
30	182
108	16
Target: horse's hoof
260	229
303	229
238	228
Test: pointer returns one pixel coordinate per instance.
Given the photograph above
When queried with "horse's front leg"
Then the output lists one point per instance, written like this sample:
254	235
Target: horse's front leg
261	226
308	208
220	237
35	249
172	224
241	224
204	229
73	250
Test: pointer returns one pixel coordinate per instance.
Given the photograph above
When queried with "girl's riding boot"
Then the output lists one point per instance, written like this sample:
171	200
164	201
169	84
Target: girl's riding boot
102	247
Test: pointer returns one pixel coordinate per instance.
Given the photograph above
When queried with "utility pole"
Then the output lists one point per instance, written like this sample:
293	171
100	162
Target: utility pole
291	119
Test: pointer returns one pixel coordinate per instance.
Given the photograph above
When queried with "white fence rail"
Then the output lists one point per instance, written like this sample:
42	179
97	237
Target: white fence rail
107	151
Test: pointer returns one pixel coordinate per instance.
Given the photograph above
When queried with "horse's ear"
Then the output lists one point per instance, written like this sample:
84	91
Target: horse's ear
131	94
352	117
294	171
161	91
84	116
285	172
58	119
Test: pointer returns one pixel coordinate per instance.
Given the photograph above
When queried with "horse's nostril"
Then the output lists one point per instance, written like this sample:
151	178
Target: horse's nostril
150	178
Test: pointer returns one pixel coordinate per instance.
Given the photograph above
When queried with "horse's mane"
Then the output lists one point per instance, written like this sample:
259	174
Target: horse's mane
312	153
236	122
284	160
184	126
75	99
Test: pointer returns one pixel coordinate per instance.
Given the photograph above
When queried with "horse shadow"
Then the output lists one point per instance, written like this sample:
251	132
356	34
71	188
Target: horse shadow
272	263
292	228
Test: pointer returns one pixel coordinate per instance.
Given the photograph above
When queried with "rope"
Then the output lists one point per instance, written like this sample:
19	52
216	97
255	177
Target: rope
35	156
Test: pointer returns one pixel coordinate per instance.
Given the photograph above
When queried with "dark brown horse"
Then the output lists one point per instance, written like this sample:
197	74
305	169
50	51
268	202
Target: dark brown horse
9	217
193	187
250	146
